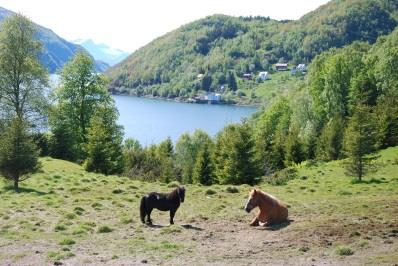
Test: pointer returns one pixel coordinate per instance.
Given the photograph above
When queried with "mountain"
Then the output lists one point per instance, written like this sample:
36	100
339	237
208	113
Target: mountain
103	52
221	47
56	50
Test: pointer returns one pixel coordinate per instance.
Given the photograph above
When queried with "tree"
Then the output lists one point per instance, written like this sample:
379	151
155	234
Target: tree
231	81
270	133
294	148
22	77
235	161
18	153
165	155
104	142
203	171
80	94
359	142
330	142
186	152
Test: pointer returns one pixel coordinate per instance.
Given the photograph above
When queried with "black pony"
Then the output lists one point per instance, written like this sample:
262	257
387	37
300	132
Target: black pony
163	202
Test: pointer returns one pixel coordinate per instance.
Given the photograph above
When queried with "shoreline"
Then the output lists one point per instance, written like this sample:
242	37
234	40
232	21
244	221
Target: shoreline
179	100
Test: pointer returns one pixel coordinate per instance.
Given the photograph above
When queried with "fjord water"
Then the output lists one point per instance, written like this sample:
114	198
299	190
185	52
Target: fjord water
151	121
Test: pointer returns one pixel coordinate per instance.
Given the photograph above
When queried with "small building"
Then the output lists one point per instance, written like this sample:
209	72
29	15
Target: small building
302	68
200	76
213	97
263	75
247	76
281	66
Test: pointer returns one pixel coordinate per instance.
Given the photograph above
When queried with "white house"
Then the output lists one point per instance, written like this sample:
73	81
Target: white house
213	97
302	68
263	75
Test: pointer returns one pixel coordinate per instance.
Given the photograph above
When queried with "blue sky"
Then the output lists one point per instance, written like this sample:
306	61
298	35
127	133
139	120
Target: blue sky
128	24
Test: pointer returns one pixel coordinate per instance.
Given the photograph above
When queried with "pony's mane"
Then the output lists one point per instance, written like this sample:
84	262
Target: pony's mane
266	196
175	193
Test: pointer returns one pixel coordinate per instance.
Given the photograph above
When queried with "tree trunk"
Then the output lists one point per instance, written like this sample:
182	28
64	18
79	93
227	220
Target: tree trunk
16	183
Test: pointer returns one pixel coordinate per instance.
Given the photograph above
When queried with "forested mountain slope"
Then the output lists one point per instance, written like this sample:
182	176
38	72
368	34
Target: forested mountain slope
223	48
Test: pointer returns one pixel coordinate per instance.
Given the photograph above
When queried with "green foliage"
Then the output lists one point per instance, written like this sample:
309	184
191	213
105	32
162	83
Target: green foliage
104	142
22	77
80	94
344	251
360	142
234	158
282	177
203	171
270	133
187	149
330	142
18	153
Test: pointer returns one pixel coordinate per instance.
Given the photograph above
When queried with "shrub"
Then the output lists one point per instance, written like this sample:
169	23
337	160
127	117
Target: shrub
282	177
67	242
210	192
344	251
232	190
104	229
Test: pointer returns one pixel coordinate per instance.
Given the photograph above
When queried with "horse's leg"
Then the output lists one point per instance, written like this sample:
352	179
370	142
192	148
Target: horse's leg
255	222
149	221
172	213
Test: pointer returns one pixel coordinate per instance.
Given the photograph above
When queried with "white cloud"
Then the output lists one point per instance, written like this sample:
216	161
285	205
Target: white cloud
128	24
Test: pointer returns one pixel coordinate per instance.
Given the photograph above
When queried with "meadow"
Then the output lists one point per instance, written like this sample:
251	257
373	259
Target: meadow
65	215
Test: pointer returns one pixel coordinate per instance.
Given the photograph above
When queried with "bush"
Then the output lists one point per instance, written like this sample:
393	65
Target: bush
210	192
67	242
344	251
282	177
104	229
232	190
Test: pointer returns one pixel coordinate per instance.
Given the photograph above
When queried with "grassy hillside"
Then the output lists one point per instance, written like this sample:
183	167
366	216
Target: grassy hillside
222	46
67	215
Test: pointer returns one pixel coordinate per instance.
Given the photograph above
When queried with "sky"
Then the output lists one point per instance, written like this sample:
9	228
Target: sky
131	24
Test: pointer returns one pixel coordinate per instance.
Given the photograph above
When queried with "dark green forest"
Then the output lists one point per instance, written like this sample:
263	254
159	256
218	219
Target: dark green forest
223	48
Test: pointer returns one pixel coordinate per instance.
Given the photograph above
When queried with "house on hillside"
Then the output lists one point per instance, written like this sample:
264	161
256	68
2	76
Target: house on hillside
200	76
281	66
302	68
213	97
263	75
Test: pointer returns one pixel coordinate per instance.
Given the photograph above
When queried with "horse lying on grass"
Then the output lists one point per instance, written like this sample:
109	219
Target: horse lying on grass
163	202
272	211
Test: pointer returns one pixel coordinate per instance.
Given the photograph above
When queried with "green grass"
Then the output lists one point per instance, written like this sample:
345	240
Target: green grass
66	207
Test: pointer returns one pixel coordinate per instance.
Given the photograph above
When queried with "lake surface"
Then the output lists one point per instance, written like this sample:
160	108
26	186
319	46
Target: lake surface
151	121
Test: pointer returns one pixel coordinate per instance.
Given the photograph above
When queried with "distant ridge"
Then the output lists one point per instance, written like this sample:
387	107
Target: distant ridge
103	52
56	50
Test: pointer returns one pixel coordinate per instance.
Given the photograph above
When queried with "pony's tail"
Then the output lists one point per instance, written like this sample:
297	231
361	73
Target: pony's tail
142	209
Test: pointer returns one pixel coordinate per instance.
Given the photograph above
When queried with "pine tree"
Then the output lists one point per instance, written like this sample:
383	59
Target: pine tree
203	171
18	153
294	148
104	143
359	142
235	161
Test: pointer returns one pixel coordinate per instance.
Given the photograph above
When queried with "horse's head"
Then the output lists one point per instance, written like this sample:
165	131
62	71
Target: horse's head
252	202
181	193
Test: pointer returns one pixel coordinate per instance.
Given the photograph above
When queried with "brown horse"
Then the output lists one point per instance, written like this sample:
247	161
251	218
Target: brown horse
272	211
